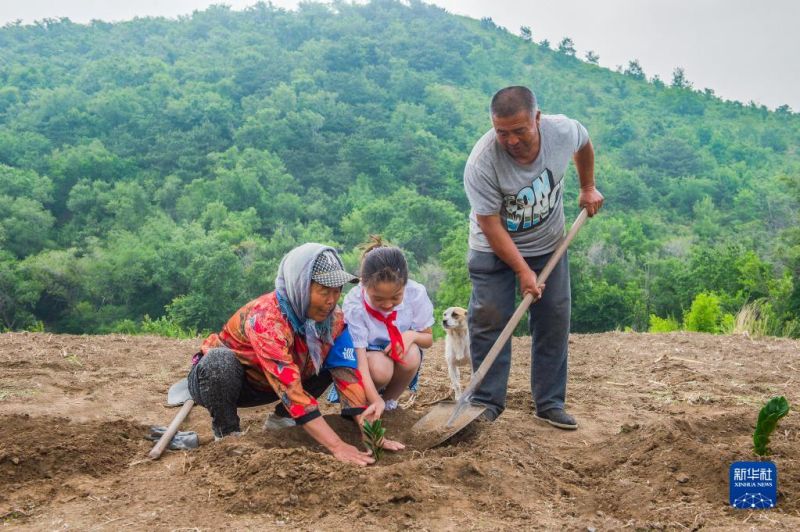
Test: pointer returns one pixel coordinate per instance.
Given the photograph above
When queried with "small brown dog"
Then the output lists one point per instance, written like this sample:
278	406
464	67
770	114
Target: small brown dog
456	344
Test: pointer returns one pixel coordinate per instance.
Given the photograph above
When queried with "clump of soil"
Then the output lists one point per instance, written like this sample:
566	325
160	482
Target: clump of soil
661	419
39	456
36	448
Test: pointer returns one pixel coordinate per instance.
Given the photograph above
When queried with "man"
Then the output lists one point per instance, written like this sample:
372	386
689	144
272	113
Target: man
514	183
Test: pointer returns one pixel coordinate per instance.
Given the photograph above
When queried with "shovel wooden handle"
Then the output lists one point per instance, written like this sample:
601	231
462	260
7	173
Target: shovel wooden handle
166	438
478	376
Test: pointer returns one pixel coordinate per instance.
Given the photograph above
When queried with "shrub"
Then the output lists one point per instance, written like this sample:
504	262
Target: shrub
705	314
36	326
663	325
166	327
126	326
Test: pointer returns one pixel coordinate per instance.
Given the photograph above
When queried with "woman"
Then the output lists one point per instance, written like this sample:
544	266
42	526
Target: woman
275	347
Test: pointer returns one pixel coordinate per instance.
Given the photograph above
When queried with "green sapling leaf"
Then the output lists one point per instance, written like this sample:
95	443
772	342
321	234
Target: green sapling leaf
776	408
373	437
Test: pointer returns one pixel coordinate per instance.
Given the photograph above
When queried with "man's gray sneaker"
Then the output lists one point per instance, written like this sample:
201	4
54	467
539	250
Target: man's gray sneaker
275	422
558	418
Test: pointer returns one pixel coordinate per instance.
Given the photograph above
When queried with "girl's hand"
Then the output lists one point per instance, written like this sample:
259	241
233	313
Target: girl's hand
374	411
391	445
409	339
388	349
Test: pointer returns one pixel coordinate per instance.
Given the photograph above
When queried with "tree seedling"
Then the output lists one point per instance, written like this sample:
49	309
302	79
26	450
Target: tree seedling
373	437
776	408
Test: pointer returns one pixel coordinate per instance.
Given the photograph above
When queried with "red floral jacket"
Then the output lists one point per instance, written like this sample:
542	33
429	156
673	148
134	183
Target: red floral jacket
276	359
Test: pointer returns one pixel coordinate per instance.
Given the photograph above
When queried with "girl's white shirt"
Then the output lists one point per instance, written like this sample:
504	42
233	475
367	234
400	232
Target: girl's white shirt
414	313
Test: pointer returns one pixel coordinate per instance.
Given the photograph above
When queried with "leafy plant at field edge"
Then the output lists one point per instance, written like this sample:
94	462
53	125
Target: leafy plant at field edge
775	409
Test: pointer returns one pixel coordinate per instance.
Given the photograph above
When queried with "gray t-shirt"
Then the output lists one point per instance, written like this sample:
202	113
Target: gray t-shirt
528	197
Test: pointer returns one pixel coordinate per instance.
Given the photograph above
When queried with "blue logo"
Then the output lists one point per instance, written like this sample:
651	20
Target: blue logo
342	354
753	485
348	353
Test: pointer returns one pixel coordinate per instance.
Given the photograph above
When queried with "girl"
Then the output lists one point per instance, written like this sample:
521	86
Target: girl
389	317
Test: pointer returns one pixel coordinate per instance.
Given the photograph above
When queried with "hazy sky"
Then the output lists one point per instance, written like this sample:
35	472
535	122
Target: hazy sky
742	49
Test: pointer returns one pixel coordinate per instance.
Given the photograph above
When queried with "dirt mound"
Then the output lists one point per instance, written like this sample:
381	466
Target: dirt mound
45	457
686	464
661	419
286	476
55	448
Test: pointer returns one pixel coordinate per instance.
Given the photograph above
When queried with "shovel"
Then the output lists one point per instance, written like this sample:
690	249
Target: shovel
177	395
447	418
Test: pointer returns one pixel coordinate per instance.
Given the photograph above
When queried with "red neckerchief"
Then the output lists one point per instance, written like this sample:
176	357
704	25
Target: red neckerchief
395	338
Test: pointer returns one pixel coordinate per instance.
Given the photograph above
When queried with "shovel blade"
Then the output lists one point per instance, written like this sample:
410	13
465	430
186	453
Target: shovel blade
434	425
178	393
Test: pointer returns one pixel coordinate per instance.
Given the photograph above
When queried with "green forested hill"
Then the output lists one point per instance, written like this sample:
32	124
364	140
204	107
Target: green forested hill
162	167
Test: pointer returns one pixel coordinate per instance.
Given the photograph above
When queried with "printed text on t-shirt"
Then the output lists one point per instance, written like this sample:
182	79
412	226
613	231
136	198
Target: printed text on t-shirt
532	205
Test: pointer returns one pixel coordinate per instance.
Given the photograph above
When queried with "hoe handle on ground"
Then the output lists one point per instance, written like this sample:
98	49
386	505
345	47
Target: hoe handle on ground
478	376
163	443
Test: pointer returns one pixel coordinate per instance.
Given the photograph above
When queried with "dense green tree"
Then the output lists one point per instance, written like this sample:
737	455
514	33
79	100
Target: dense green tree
567	46
679	79
162	167
634	70
24	226
409	220
456	287
18	295
16	182
216	290
598	306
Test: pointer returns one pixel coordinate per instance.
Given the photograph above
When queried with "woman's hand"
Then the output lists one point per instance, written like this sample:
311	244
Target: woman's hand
344	452
319	429
374	411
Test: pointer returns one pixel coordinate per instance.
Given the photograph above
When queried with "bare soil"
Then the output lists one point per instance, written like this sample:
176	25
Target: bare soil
661	419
